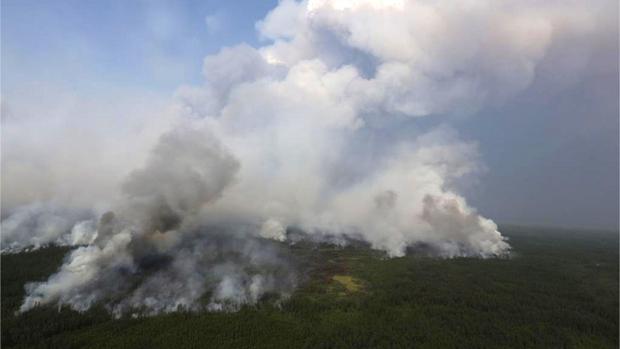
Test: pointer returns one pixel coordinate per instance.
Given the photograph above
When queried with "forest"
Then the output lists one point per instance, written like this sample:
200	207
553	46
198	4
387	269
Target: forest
558	289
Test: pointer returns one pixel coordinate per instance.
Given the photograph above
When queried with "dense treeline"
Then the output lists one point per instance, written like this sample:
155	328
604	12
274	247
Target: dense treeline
559	290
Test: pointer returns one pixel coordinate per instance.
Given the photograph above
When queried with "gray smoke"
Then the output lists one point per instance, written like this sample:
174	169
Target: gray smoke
41	224
149	257
327	127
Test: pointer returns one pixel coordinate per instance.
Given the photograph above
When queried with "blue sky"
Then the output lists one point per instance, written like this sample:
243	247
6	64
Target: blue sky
552	157
92	44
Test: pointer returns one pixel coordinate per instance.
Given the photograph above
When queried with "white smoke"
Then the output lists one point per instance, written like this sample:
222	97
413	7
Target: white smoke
41	224
149	256
272	229
319	129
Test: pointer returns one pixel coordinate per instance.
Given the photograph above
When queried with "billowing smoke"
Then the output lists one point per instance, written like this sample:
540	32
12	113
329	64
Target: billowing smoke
42	224
150	255
324	129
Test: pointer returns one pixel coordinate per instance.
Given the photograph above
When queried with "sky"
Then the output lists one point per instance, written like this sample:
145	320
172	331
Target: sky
147	44
550	152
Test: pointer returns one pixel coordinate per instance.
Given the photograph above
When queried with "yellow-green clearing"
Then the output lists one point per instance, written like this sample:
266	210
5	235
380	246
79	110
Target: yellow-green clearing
350	283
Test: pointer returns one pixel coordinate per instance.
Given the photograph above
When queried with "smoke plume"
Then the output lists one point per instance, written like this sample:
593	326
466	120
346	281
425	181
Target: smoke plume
324	128
149	255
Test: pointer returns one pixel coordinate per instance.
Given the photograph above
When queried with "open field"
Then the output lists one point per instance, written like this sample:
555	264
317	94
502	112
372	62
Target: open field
559	290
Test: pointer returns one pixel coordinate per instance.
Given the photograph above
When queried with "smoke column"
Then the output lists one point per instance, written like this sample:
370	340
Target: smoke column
323	128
